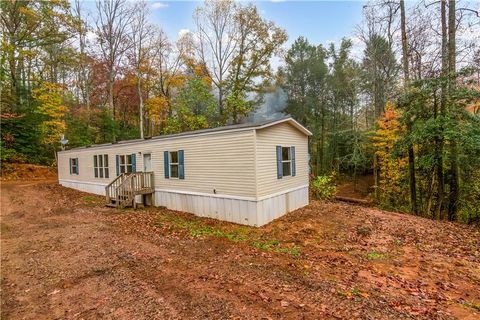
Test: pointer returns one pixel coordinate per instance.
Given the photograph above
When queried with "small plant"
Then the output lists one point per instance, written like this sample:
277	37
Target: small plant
324	187
475	306
275	246
397	242
355	292
375	256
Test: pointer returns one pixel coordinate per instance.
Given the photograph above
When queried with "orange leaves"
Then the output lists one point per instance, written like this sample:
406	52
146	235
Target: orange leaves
389	130
392	168
157	109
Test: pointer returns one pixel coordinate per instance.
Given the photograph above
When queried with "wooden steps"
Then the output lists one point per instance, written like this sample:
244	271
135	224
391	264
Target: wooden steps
121	192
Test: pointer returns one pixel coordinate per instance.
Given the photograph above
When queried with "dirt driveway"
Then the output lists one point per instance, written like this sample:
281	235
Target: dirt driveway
65	256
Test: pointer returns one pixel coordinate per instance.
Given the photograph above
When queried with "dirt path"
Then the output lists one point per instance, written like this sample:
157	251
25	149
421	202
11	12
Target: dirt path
66	256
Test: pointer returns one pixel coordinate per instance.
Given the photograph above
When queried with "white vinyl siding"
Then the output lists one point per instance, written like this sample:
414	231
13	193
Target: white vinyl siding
223	162
267	139
233	163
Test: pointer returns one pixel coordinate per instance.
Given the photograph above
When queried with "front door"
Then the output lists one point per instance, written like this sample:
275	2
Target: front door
147	162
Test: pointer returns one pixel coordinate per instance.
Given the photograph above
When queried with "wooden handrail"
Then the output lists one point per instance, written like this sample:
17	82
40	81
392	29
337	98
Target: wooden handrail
126	186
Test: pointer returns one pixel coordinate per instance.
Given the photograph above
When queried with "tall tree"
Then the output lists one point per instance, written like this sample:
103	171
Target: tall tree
406	80
28	27
217	40
258	41
141	35
304	79
379	72
454	185
113	22
84	67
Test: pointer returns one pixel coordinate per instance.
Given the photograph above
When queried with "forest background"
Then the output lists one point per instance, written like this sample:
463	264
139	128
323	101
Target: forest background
406	112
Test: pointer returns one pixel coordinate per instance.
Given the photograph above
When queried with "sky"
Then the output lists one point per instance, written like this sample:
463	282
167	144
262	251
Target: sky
318	21
321	22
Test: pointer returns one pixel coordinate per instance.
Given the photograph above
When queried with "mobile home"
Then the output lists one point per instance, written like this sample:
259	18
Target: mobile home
248	173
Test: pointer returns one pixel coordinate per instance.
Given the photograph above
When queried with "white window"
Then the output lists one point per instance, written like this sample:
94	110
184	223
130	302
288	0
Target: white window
73	165
286	161
173	164
125	163
100	166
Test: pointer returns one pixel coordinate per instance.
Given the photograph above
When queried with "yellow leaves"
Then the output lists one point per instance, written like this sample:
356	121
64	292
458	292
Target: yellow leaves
157	109
392	168
389	131
175	80
49	97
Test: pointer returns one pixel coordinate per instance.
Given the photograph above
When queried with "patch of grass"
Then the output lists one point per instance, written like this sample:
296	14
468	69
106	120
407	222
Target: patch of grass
397	242
475	306
376	255
275	246
196	229
90	199
240	234
355	292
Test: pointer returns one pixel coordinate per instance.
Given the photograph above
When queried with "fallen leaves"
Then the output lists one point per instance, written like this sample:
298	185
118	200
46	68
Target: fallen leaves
355	261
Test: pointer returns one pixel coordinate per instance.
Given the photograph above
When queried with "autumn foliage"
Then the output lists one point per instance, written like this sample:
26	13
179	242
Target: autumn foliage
392	167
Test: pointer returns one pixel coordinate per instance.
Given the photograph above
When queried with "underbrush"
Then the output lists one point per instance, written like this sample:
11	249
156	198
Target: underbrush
323	187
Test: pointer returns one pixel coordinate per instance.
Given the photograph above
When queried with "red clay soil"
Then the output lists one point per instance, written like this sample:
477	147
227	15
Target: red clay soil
66	256
27	172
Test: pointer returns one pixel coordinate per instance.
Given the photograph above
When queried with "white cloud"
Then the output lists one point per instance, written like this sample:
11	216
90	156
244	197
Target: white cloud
159	5
183	32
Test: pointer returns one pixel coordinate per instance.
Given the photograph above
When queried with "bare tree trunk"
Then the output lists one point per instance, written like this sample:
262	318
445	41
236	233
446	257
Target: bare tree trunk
453	199
439	142
322	143
411	154
82	72
112	27
111	105
140	97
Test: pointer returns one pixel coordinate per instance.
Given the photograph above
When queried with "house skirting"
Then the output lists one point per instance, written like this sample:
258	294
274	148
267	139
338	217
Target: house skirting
242	210
85	186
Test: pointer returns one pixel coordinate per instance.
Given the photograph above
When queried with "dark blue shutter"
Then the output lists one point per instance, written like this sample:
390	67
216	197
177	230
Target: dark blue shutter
181	167
279	163
134	162
117	158
78	165
294	169
165	164
70	164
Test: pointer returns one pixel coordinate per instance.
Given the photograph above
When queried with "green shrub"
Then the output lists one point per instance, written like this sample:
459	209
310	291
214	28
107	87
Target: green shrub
323	187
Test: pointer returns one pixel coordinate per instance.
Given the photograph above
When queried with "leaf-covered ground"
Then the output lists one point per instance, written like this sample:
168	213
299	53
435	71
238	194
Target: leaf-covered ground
65	255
